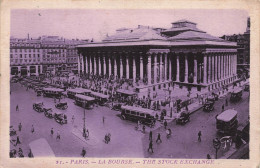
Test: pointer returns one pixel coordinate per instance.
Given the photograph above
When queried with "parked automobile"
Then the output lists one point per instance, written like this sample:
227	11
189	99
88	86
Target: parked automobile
60	118
208	106
62	106
48	113
183	119
38	107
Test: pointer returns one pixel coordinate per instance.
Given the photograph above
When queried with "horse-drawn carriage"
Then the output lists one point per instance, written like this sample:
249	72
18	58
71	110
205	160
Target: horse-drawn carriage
62	106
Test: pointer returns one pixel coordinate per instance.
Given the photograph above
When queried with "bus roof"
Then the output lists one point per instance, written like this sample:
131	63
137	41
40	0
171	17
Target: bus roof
227	115
127	92
79	90
100	95
84	97
41	148
237	90
53	89
139	109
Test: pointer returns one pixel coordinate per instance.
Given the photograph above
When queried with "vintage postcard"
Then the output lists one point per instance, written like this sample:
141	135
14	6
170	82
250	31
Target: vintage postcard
129	84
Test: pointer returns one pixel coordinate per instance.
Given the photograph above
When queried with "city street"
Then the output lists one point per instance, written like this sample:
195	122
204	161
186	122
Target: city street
125	140
184	140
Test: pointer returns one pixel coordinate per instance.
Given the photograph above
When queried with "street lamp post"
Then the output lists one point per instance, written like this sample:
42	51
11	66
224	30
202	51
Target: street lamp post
84	120
216	144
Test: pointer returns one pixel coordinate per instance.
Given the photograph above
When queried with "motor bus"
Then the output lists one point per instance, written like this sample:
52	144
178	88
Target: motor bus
84	101
52	92
101	99
40	148
145	116
72	92
226	122
236	95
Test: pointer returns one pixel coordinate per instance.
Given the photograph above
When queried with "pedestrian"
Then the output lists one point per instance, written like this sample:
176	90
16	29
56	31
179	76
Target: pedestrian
83	153
17	107
158	138
223	106
208	156
165	124
72	120
52	131
150	146
143	128
32	129
151	136
103	118
17	141
199	136
58	135
226	102
20	127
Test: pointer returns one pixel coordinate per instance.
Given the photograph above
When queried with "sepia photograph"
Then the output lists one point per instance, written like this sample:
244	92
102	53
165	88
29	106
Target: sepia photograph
135	83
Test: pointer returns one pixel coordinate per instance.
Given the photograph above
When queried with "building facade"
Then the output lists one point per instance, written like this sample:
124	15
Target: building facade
243	48
182	56
46	54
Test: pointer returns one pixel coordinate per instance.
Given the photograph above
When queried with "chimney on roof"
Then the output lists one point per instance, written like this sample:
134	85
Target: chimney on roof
28	37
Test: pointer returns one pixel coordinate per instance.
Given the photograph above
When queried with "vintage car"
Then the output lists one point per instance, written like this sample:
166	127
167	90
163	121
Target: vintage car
12	131
62	106
39	92
60	118
38	107
208	106
117	107
236	95
48	113
183	119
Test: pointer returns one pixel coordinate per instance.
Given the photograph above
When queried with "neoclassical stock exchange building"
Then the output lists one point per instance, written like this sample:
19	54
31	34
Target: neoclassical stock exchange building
182	56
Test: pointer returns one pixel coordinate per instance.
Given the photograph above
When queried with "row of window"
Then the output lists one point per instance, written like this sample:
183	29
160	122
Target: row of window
23	61
36	50
25	55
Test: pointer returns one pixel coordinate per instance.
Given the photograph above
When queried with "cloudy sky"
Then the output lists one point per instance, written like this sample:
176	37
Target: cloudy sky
87	24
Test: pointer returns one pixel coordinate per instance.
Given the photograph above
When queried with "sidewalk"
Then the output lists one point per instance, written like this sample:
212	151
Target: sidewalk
92	141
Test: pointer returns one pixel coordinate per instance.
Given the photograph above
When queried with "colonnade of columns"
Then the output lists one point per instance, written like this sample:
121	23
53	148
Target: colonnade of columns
157	67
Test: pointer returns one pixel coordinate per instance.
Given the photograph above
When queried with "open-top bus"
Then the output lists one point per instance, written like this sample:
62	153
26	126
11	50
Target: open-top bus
52	92
72	92
226	122
101	99
145	116
84	101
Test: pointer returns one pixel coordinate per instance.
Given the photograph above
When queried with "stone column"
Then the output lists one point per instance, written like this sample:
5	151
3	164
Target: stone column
109	65
121	66
127	67
219	68
161	67
165	67
90	65
28	70
205	68
195	69
209	69
213	68
40	69
149	68
115	66
155	68
170	67
178	69
99	64
235	63
95	64
79	64
134	70
224	66
104	64
36	68
86	63
186	69
141	67
216	68
82	63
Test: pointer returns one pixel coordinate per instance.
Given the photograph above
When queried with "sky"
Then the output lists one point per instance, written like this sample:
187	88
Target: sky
96	24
